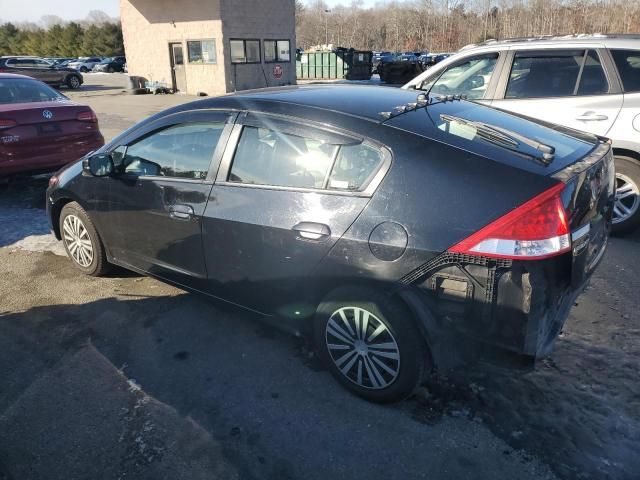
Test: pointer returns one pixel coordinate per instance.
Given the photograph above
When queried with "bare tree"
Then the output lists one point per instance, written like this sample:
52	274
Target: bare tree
445	25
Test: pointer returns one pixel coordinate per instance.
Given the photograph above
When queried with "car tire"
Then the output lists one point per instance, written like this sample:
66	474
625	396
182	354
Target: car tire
626	211
388	373
73	82
110	70
84	69
81	241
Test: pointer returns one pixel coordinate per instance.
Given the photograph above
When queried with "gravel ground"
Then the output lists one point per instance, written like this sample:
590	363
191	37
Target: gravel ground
126	377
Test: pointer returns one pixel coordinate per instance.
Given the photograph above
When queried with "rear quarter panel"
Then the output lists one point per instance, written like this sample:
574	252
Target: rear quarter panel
439	194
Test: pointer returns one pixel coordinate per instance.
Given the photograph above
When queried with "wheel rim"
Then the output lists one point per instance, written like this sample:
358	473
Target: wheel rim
362	348
77	240
75	83
627	198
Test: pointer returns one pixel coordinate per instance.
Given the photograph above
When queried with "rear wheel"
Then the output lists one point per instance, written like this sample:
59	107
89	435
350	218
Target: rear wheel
110	70
84	69
73	82
370	344
626	210
81	241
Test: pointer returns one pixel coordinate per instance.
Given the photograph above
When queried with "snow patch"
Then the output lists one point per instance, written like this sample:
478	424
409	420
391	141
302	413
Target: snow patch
27	229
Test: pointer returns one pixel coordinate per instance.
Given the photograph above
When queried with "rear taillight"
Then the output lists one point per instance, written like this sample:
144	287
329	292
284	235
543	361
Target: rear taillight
7	124
87	117
535	230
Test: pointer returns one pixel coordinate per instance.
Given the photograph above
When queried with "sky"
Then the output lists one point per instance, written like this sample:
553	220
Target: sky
33	10
15	10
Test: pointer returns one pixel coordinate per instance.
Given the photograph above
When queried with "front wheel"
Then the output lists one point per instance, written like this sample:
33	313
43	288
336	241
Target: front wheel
73	82
81	241
370	344
84	69
626	209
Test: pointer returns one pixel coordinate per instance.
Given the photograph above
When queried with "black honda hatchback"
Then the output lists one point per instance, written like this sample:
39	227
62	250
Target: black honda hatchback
388	226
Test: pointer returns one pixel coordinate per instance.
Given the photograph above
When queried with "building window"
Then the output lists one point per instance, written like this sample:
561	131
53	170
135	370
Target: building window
202	51
245	51
277	51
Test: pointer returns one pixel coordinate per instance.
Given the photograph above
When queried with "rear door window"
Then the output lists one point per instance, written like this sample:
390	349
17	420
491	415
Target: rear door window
354	167
628	63
556	73
180	151
270	157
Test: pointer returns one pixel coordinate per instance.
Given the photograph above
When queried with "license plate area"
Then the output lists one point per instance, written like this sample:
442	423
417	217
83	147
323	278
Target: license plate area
49	128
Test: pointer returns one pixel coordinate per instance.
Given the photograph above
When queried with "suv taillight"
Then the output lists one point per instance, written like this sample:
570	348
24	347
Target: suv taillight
537	229
87	117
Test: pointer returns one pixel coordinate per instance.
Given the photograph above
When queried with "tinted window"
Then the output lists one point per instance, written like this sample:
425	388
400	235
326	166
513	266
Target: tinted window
354	168
555	74
183	151
628	63
593	81
23	91
266	157
471	77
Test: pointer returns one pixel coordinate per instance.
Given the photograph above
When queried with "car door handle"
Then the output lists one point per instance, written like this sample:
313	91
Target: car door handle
181	212
312	230
592	117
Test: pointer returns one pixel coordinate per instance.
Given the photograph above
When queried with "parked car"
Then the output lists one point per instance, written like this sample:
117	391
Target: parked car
110	65
41	129
589	83
84	64
313	208
41	70
58	61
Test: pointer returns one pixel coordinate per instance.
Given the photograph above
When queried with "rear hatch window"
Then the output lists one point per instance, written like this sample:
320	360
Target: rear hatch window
519	142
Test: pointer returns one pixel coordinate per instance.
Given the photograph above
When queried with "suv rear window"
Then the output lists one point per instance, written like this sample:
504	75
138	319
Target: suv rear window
539	74
628	63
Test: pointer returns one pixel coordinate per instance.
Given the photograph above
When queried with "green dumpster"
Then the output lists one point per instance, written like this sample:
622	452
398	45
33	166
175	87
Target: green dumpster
338	64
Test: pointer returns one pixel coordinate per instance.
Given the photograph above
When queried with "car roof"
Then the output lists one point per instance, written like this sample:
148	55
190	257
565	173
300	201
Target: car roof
608	40
361	101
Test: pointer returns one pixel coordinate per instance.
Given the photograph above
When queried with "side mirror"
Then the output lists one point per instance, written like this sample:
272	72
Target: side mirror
476	81
100	165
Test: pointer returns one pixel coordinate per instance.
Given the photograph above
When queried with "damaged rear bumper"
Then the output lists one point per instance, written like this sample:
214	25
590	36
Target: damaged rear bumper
518	306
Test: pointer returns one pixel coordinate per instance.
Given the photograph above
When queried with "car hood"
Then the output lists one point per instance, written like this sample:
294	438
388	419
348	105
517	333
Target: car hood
434	122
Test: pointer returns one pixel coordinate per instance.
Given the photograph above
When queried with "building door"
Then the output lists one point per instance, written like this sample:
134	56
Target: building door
177	66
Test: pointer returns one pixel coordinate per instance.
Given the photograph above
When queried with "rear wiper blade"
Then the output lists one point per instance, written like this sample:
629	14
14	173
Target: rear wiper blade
508	139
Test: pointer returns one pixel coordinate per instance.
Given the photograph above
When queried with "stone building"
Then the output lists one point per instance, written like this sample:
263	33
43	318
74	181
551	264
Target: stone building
210	46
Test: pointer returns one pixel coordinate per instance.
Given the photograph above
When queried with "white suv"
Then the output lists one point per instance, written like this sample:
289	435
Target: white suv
586	82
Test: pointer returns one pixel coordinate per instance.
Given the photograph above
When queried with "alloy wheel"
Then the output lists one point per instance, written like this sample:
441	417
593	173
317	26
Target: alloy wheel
627	198
362	348
74	82
77	241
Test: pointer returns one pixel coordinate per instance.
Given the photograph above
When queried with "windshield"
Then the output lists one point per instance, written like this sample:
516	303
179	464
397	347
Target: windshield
470	77
17	90
108	60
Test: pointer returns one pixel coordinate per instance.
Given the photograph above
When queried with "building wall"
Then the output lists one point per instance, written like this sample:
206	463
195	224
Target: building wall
258	19
148	26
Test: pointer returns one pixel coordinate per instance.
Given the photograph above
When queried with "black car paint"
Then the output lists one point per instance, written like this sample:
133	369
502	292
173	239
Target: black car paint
240	246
